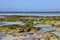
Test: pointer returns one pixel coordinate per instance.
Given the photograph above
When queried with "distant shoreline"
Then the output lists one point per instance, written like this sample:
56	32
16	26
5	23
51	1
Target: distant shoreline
32	14
29	11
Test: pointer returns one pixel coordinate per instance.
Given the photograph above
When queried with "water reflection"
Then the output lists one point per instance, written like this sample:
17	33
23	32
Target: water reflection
46	27
11	23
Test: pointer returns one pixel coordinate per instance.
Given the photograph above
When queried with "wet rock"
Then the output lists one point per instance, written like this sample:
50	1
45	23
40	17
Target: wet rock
31	36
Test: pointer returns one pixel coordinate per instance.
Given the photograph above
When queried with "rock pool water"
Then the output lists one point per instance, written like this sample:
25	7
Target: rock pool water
11	23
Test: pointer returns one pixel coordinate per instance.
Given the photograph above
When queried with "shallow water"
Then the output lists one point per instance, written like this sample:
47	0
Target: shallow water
11	23
48	27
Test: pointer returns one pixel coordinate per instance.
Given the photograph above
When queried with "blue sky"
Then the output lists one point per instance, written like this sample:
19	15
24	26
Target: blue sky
29	5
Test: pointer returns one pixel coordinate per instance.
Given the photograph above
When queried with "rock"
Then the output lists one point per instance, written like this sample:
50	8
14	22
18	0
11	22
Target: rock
31	36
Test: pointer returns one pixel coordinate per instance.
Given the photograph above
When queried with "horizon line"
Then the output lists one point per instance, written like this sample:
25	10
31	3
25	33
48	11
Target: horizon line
30	12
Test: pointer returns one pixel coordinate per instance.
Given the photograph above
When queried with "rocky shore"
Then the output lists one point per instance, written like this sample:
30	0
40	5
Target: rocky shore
30	27
30	36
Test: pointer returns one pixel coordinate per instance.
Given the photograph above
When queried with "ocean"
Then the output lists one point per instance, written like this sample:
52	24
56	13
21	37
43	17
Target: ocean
32	14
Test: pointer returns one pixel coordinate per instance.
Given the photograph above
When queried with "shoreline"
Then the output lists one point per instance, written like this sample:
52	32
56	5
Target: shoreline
30	14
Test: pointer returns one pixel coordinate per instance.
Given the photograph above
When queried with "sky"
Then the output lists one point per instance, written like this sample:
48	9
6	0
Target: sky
29	5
